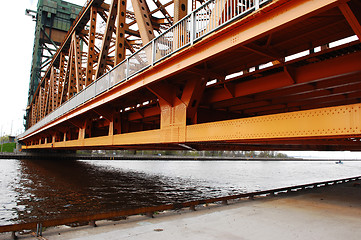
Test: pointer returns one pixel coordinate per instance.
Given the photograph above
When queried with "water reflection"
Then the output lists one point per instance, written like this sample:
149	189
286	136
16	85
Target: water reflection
48	189
33	190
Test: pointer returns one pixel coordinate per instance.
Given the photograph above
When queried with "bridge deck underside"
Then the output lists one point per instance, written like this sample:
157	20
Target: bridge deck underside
236	89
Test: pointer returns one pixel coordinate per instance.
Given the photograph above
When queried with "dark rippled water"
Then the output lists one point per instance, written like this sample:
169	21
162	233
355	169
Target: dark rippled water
32	190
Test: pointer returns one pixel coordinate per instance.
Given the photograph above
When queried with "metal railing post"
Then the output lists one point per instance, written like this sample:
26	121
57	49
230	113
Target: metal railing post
256	4
127	70
193	27
153	52
39	230
95	88
108	81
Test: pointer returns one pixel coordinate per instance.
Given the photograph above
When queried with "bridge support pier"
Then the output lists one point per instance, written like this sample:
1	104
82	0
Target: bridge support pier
149	214
13	236
39	230
92	223
177	111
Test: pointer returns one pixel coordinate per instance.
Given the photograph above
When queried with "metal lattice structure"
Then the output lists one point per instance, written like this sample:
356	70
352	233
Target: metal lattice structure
53	20
232	74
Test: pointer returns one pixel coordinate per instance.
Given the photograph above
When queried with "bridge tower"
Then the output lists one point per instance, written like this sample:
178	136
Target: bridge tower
53	20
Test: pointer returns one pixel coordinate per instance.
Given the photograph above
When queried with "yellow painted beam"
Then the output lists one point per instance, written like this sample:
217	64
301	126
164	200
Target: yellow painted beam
318	123
332	122
145	137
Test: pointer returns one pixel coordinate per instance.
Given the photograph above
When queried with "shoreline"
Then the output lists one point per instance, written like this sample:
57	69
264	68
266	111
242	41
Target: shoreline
21	156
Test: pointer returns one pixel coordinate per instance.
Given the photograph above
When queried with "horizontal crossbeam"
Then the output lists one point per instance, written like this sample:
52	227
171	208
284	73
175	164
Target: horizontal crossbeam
334	122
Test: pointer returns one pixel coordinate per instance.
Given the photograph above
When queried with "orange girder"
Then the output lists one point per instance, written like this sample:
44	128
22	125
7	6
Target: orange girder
342	121
174	103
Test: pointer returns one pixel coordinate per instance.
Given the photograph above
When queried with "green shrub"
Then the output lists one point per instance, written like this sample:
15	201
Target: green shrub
8	147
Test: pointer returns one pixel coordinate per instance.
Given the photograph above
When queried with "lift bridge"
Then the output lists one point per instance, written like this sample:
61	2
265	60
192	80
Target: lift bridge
203	75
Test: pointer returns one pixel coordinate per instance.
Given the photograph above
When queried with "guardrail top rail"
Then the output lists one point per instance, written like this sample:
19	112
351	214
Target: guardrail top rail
207	18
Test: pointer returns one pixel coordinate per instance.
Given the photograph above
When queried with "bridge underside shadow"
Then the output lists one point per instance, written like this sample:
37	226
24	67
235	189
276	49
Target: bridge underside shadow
276	79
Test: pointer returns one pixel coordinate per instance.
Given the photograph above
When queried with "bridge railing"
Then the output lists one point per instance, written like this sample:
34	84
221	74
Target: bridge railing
209	17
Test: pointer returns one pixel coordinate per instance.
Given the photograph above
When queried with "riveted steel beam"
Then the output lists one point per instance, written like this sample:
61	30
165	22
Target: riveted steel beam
180	9
120	32
332	123
179	97
318	123
344	65
352	16
91	58
109	30
142	14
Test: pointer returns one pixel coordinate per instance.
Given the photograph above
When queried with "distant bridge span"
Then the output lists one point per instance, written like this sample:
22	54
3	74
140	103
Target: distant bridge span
233	74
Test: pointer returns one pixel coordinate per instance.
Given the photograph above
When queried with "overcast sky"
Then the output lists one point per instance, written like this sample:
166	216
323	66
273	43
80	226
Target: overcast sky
16	50
16	54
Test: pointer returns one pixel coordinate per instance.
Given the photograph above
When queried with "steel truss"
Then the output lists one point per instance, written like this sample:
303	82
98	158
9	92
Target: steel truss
270	80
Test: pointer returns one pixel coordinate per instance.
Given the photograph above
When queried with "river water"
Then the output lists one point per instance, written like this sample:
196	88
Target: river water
31	190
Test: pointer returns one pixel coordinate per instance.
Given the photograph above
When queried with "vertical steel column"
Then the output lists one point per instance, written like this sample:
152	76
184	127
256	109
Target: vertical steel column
256	4
120	32
143	17
153	52
180	10
103	54
193	27
127	70
91	47
39	229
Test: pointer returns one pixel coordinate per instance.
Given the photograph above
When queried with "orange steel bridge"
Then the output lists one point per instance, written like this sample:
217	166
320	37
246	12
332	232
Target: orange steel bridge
231	74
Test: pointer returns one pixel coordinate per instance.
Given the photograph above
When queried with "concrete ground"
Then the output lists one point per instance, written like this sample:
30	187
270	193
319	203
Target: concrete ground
327	213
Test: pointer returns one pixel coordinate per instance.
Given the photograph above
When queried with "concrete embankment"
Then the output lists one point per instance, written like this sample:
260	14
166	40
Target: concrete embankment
332	212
